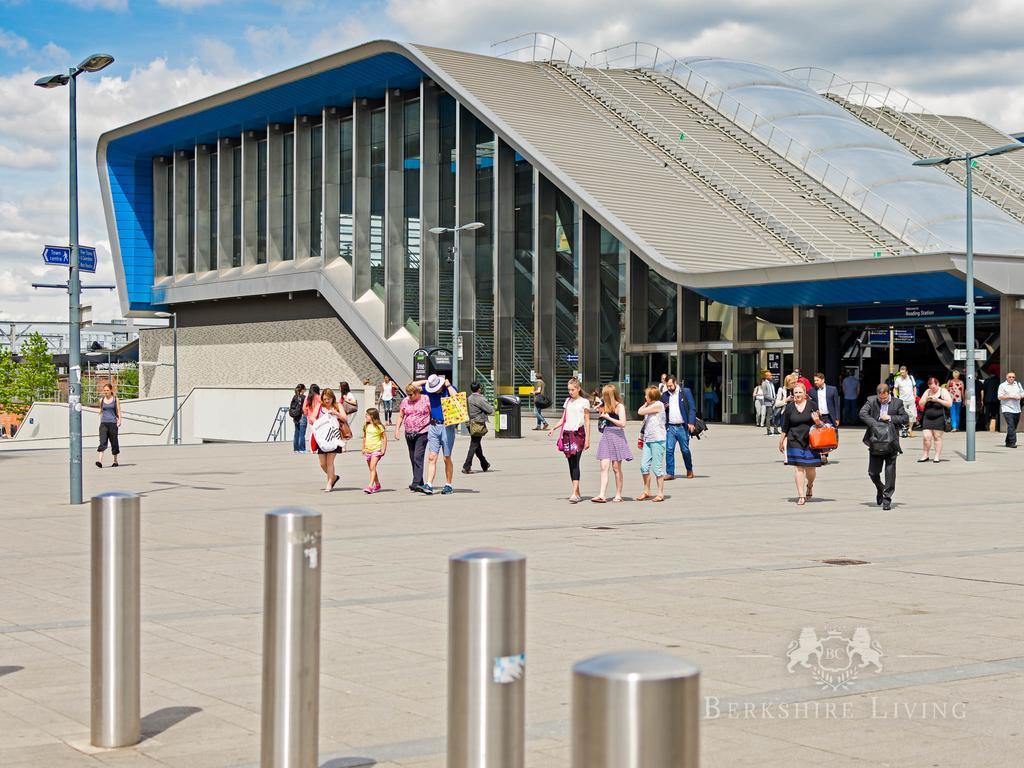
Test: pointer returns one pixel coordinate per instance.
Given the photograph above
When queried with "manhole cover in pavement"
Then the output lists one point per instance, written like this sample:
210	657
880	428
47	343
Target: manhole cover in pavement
843	561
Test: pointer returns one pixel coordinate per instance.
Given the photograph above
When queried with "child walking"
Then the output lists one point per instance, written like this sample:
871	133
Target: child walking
375	445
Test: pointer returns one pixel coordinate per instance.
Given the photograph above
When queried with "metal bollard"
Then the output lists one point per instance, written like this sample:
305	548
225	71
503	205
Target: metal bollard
635	709
486	659
289	724
114	620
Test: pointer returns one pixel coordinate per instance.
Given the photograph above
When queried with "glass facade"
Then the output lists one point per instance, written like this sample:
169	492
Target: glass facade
523	357
261	202
613	305
236	207
378	198
288	197
661	309
212	170
567	292
411	214
345	222
483	247
169	254
446	217
316	184
191	215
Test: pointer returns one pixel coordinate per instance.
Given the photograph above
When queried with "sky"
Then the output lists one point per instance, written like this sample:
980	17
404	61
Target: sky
952	56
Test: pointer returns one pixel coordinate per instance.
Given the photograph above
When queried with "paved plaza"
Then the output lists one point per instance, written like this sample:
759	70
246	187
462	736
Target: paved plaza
728	573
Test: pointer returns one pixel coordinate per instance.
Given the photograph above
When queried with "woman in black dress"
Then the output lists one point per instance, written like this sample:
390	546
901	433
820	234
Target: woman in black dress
797	419
935	402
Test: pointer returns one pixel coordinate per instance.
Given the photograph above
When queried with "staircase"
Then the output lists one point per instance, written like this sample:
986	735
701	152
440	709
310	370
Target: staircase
927	135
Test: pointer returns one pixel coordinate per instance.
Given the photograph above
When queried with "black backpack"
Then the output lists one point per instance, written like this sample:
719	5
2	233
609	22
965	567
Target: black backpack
883	440
295	409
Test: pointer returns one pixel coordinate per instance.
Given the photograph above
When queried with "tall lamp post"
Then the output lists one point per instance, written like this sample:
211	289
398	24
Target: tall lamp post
174	344
453	257
969	308
94	63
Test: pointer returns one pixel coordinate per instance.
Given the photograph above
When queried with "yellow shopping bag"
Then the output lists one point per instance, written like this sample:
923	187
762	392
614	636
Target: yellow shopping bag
455	410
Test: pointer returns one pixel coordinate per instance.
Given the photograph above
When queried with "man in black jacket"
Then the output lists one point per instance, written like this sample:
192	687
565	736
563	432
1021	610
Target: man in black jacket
878	410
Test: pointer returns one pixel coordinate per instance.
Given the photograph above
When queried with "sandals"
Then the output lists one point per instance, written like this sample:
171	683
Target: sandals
925	460
801	501
809	495
643	496
599	499
575	499
617	500
659	497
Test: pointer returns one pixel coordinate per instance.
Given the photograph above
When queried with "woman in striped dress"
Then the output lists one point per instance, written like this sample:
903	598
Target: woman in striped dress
795	443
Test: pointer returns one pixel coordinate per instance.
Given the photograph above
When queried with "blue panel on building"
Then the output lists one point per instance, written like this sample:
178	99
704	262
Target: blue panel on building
844	292
130	158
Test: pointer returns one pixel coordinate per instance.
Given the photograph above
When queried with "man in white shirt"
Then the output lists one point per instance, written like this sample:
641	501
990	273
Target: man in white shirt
1010	394
906	390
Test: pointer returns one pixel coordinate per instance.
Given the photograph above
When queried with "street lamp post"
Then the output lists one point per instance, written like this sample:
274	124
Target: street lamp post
454	256
94	63
969	307
174	346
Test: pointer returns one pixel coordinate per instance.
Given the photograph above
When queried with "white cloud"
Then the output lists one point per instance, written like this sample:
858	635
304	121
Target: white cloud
53	52
26	157
12	43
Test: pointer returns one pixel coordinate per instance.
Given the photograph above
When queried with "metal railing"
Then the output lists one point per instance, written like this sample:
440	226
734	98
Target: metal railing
900	117
893	220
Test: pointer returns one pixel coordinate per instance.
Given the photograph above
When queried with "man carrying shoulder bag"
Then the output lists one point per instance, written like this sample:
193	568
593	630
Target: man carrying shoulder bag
884	416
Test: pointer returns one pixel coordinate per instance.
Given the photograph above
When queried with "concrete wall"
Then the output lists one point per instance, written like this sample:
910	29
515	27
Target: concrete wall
275	354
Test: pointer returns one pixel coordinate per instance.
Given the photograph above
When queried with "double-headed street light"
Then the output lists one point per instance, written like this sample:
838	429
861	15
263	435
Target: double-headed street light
94	63
969	308
453	257
174	343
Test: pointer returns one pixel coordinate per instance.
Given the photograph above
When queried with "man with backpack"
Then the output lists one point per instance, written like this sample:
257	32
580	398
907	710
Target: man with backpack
884	416
297	416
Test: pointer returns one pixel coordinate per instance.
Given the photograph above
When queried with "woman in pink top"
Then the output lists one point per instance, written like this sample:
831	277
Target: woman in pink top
955	387
311	409
414	417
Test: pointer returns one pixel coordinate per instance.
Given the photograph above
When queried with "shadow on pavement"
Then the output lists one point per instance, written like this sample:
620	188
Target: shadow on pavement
157	722
9	670
350	762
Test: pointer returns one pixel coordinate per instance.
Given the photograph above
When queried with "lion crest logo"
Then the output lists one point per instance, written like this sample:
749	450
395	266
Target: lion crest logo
836	659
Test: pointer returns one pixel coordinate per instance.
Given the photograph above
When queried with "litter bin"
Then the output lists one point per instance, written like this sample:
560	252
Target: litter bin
510	416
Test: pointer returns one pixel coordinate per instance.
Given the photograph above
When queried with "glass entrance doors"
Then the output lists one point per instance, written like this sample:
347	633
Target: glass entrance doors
642	370
722	383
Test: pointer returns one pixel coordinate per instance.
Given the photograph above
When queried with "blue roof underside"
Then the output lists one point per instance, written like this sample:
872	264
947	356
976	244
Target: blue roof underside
130	158
847	291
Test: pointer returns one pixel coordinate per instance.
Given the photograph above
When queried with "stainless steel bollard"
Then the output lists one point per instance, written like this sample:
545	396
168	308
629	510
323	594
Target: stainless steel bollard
289	726
486	659
635	709
114	620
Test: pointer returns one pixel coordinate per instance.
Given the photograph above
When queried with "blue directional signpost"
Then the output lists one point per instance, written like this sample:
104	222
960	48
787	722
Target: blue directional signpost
60	256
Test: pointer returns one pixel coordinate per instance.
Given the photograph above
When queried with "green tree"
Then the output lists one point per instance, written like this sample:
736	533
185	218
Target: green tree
128	382
7	384
35	377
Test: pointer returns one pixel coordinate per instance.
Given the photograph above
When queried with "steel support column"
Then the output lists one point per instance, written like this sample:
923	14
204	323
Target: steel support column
430	160
544	278
361	195
332	184
302	226
465	212
181	233
589	243
275	193
394	213
202	197
505	270
163	174
225	203
250	196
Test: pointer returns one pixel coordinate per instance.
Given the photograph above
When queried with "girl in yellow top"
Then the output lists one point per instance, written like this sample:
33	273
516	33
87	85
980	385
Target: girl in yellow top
375	445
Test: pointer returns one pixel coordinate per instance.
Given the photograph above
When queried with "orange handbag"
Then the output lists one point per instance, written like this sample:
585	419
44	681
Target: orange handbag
823	438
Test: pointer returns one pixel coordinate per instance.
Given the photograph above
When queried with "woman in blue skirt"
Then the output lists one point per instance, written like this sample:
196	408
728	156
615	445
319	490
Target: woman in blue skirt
797	419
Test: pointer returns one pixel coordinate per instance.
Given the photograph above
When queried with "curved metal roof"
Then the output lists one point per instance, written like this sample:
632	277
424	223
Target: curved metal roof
867	155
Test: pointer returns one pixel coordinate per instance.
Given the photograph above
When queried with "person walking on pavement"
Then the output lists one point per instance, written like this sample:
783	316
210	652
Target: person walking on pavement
540	402
574	437
387	398
299	418
479	411
764	397
1010	393
440	438
935	404
884	416
681	410
955	387
613	448
110	423
795	443
652	437
905	388
826	397
414	420
851	394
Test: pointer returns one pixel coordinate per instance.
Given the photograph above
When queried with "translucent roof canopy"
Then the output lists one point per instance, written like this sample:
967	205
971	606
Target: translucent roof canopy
881	164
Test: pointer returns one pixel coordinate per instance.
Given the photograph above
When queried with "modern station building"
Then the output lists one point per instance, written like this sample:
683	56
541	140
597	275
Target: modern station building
641	214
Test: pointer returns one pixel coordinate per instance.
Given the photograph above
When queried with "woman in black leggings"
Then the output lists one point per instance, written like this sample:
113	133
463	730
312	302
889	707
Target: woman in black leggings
575	433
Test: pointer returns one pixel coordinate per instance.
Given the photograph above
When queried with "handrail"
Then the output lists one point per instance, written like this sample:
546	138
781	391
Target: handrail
704	160
902	110
890	218
536	46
